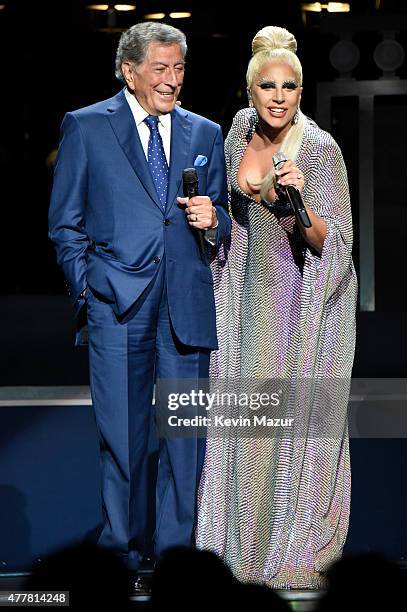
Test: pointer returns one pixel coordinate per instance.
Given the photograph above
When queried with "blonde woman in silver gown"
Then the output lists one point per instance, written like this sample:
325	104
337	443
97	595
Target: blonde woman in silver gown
276	509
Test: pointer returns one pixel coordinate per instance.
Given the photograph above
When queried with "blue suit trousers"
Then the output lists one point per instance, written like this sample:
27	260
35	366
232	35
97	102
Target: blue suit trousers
126	356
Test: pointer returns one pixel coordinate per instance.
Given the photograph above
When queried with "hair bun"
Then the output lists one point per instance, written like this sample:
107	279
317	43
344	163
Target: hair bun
273	37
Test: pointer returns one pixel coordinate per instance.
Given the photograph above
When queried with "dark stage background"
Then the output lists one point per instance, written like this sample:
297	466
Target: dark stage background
54	58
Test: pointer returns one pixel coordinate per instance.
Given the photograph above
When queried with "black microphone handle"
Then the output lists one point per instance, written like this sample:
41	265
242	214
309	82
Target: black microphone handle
292	194
191	190
297	205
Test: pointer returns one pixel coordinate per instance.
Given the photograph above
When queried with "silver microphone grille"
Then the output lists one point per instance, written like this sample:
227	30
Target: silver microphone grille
278	159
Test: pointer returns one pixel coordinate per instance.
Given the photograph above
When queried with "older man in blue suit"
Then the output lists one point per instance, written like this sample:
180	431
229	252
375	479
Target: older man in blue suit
127	243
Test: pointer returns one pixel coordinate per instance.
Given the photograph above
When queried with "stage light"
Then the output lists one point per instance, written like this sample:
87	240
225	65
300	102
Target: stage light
311	7
110	18
180	15
125	7
331	7
117	7
344	56
388	55
338	7
154	16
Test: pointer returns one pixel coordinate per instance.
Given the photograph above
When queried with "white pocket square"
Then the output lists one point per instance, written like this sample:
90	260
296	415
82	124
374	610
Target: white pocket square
201	160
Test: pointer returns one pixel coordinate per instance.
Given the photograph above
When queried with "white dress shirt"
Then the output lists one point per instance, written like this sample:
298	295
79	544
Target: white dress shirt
164	125
164	128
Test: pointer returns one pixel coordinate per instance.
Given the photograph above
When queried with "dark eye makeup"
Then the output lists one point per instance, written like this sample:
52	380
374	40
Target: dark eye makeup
291	85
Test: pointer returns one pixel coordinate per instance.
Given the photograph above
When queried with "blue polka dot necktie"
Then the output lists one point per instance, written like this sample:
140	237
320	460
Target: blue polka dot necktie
157	161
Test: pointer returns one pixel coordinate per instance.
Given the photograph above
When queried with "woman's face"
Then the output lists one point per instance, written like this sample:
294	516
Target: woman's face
276	94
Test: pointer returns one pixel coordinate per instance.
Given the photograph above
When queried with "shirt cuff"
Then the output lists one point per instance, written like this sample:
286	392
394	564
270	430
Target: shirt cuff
211	235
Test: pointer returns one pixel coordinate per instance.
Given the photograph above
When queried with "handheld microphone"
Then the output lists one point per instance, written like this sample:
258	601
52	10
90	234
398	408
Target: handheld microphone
190	184
291	194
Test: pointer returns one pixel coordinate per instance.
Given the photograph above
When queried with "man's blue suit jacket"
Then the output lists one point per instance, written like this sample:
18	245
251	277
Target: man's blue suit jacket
108	225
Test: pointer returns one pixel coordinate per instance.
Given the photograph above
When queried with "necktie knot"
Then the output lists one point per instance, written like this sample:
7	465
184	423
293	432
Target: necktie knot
152	122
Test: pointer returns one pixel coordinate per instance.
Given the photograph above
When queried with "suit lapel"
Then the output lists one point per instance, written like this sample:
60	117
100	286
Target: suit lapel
181	128
122	122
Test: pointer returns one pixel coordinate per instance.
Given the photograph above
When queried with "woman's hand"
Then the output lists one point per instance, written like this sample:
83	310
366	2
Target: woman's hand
289	174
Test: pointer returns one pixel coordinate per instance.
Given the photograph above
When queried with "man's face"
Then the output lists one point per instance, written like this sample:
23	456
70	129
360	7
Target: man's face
156	82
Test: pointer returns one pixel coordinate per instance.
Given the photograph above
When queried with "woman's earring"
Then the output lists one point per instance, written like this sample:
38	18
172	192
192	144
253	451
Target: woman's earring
250	98
296	117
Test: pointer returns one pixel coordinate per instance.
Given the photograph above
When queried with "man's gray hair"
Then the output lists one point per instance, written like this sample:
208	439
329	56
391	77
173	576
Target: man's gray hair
133	44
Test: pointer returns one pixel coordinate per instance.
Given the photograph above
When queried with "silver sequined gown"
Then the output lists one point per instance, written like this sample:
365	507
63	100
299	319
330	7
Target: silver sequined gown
277	509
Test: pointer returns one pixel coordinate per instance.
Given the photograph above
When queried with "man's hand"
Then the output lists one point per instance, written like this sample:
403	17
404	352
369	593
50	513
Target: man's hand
200	212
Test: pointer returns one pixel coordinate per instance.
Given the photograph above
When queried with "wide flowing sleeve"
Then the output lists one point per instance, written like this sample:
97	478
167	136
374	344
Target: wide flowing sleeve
327	194
228	267
329	283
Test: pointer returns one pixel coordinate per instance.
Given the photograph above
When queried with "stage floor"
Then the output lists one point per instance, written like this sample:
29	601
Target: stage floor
299	601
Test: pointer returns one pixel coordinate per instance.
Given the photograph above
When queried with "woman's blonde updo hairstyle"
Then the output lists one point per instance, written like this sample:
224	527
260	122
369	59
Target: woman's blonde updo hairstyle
274	43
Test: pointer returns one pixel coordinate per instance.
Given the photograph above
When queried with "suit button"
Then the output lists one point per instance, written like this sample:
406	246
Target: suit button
157	259
167	222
